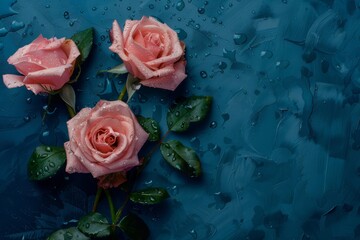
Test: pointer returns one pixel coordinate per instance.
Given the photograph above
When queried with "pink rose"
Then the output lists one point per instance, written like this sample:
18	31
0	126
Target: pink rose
47	64
151	52
105	139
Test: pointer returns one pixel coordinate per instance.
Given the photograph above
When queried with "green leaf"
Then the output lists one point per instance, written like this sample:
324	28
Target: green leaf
94	225
67	94
84	41
185	111
45	162
181	157
68	234
149	196
119	69
134	227
151	127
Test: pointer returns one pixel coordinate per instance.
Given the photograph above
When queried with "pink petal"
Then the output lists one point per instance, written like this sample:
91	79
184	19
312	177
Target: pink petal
169	82
72	162
71	50
117	45
13	81
54	78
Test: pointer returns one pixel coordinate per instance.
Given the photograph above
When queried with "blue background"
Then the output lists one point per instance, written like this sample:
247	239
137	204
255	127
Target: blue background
280	149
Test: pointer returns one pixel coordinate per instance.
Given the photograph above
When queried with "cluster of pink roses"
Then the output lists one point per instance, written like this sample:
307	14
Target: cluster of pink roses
107	138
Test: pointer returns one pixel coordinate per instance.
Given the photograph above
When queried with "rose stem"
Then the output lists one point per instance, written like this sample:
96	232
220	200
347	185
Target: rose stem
97	198
140	169
111	205
122	94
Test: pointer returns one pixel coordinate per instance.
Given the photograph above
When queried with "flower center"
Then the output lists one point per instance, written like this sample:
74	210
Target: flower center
105	139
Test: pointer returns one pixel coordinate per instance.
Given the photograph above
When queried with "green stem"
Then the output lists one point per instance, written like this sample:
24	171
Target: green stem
111	206
140	169
97	198
122	94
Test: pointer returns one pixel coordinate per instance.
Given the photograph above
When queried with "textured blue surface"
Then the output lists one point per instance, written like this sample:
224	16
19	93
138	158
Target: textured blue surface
280	151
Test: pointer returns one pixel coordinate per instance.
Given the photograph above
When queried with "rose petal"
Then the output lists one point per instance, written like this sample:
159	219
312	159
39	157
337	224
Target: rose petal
13	81
61	75
71	50
117	45
72	162
169	82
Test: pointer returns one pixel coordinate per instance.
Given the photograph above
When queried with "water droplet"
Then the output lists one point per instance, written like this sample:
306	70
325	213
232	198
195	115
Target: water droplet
266	54
203	74
66	15
47	6
282	64
181	33
193	234
27	118
197	26
68	235
152	199
201	10
213	19
180	5
48	149
94	8
285	1
128	8
51	164
46	169
151	6
148	182
213	124
222	65
87	225
3	32
239	38
167	6
15	26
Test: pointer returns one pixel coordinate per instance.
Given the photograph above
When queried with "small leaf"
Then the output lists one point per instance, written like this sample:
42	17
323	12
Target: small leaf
94	225
132	85
119	69
151	127
45	162
68	234
67	94
134	227
192	109
149	196
84	41
181	157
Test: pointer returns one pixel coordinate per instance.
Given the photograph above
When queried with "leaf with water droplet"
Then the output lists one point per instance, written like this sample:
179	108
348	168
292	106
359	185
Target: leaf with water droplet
94	225
187	110
45	162
151	127
134	227
181	158
84	41
149	196
69	233
119	69
67	94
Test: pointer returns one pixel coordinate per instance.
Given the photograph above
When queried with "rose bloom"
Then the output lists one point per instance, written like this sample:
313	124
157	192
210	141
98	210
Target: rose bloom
151	52
104	139
46	64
